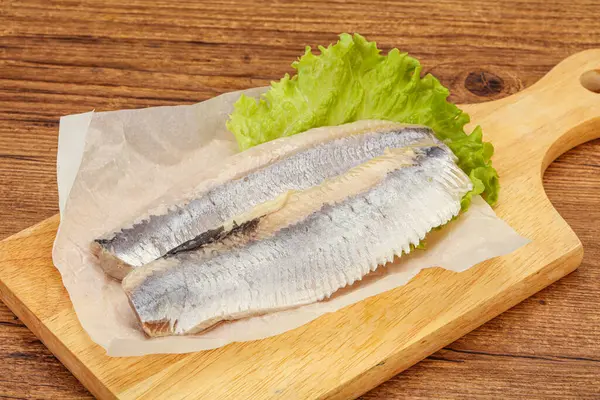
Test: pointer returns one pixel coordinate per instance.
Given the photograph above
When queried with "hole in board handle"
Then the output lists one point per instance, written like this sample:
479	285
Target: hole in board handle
591	80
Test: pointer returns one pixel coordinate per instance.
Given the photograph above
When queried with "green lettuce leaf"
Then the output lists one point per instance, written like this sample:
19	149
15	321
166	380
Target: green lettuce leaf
350	81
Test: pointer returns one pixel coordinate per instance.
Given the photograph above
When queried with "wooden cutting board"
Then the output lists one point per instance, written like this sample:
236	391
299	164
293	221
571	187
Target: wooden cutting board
344	354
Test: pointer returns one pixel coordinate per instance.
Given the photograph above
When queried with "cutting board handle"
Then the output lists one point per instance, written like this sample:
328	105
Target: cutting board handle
559	112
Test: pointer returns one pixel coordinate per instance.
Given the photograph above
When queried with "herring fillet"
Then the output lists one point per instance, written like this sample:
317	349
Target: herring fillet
252	178
320	240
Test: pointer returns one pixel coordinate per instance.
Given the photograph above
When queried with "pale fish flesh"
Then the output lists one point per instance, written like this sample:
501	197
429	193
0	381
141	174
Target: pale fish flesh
229	197
317	241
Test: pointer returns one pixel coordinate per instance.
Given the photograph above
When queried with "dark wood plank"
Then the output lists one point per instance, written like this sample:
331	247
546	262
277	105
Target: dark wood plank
70	56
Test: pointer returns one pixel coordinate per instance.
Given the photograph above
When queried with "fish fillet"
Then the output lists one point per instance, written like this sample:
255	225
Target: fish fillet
256	177
318	240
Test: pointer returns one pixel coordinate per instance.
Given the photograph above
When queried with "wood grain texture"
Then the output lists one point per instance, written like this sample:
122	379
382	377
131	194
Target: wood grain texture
70	56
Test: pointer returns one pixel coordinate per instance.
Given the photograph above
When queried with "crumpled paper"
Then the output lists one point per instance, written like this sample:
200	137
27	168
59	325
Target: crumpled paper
112	166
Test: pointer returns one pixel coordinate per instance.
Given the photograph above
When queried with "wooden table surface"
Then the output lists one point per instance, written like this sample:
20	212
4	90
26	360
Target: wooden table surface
71	56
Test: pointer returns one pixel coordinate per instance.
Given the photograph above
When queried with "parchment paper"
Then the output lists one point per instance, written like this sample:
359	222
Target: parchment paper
113	165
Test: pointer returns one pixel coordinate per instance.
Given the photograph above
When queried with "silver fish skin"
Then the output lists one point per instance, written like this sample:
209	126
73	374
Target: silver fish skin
251	178
323	239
